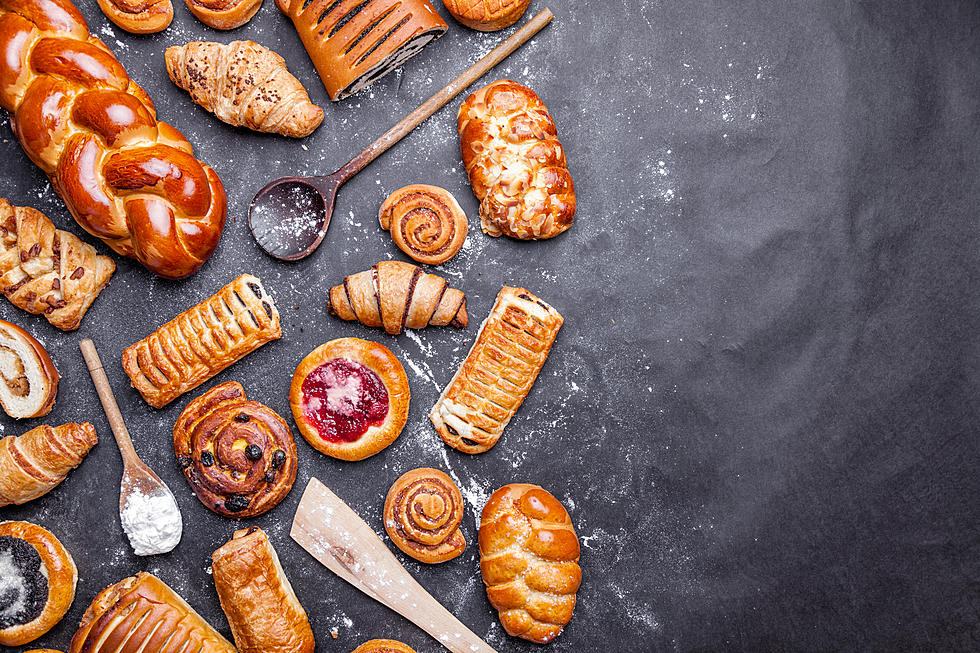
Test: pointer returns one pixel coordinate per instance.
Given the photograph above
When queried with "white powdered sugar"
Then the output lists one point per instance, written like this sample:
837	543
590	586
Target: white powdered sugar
151	522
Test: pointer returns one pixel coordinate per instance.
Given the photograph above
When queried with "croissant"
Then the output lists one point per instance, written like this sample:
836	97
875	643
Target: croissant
30	380
224	14
515	163
245	85
127	178
139	16
46	271
529	561
32	464
398	296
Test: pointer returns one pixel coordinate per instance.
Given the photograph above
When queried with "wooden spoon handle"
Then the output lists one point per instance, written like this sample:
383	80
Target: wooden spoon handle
437	101
109	405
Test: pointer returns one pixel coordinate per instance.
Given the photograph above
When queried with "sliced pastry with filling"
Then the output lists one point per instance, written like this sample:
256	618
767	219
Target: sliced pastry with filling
349	398
37	582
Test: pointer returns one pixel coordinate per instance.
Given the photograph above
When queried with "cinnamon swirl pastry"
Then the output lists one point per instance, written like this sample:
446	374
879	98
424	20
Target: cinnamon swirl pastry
238	455
139	16
224	14
422	514
383	646
426	222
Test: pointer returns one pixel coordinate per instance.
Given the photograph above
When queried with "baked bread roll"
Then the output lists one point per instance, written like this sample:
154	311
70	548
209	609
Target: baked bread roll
383	646
237	455
515	163
127	178
37	576
245	85
139	16
30	380
397	296
47	271
529	561
141	614
32	464
350	398
500	369
422	514
487	15
426	222
354	44
203	340
224	14
262	609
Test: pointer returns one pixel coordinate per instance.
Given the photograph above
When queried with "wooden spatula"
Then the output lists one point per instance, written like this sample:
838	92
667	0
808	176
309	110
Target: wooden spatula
334	534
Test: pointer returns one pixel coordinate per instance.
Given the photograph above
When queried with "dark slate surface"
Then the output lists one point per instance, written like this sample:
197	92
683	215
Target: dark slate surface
762	409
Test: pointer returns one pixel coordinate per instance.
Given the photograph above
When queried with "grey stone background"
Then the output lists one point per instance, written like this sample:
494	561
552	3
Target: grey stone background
761	412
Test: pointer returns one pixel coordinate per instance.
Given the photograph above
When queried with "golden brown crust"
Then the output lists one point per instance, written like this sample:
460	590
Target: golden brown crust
515	163
142	613
47	271
127	178
28	378
244	84
203	340
61	576
422	514
529	556
32	464
353	44
487	15
397	296
509	352
139	16
237	455
264	614
383	646
426	222
378	359
224	14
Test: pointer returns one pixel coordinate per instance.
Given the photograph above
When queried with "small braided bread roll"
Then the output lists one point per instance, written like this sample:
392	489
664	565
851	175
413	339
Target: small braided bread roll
47	271
244	84
383	646
426	222
422	514
529	561
238	455
139	16
398	295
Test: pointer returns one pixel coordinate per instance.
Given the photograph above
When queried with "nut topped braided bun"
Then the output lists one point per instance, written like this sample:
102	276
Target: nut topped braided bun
238	455
139	16
422	514
383	646
47	271
529	561
515	163
127	178
426	222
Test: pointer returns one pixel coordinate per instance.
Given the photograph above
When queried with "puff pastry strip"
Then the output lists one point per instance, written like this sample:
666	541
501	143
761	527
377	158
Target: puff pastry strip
499	371
203	340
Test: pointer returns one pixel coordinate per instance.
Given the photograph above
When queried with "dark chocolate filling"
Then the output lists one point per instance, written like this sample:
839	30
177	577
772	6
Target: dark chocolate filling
24	592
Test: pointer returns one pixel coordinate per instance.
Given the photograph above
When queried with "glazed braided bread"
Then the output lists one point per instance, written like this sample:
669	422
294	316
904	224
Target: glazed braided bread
126	178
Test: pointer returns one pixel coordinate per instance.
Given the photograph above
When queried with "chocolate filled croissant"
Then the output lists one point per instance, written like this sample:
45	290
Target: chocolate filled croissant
397	296
244	84
32	464
238	455
426	222
422	514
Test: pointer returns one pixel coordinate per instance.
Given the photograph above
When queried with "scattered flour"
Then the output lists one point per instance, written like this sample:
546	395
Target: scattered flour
151	522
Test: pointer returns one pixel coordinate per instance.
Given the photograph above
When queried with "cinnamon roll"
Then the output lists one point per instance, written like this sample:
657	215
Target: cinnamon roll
383	646
139	16
238	455
422	514
426	222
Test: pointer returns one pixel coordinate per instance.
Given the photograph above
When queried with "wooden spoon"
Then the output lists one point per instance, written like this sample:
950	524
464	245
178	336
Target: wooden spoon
289	216
333	534
137	479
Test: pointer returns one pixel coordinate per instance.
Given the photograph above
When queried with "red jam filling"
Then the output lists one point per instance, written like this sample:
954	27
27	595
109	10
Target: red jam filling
343	399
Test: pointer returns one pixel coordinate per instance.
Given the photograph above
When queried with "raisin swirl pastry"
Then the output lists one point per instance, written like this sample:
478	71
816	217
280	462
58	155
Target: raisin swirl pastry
426	222
37	577
422	514
238	455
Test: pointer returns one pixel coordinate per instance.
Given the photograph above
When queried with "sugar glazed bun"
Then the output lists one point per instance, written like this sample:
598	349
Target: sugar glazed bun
350	398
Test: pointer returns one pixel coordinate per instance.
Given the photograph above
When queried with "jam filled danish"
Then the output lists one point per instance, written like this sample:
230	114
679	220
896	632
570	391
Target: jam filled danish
238	455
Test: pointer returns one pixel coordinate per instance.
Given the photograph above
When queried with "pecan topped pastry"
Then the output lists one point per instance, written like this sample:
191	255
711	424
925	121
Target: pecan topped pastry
238	455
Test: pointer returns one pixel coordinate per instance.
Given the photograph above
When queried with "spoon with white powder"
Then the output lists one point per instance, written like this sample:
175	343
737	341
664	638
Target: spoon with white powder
147	508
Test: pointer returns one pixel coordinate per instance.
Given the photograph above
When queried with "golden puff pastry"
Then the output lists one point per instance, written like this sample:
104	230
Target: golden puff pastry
500	369
32	464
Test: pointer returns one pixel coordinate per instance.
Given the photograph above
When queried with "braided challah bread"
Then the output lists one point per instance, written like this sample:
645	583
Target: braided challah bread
126	178
515	163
